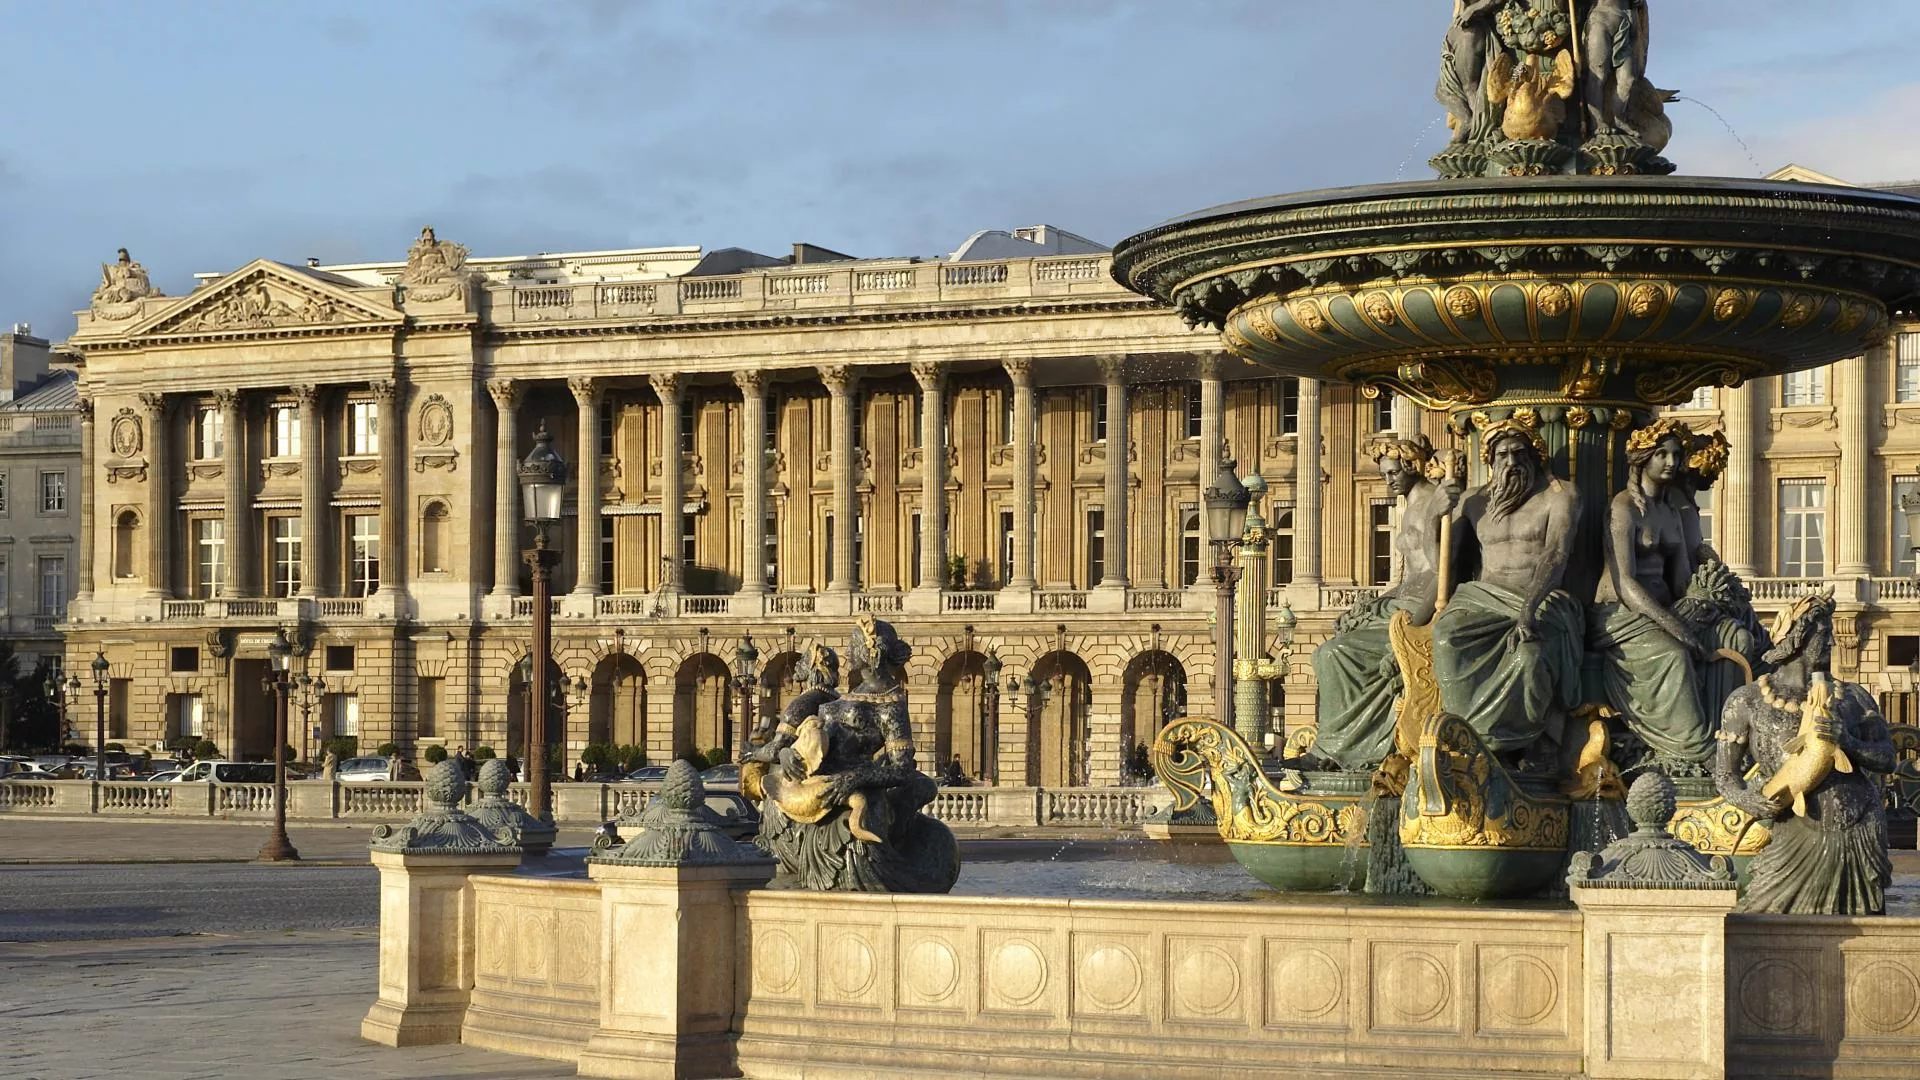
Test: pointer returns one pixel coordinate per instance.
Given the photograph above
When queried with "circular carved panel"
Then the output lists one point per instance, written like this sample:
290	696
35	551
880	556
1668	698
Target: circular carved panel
1885	996
1306	983
776	962
1110	975
1416	986
1522	990
933	971
1775	995
436	421
1206	980
851	965
1018	971
495	942
123	436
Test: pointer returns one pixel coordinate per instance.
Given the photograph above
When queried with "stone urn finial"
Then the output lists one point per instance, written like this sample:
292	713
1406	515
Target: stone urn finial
677	829
496	776
1650	858
496	810
446	785
1650	803
442	828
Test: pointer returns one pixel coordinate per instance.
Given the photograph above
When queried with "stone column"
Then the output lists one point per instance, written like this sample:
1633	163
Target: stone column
931	375
88	457
1213	407
313	489
506	487
753	481
235	509
1113	369
840	381
1306	491
1021	372
666	386
1850	509
586	564
1406	416
393	516
1733	516
159	496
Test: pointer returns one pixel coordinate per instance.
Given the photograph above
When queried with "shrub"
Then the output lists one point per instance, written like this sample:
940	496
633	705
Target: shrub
183	742
484	753
342	747
389	749
292	754
436	754
630	757
206	748
74	749
715	756
598	757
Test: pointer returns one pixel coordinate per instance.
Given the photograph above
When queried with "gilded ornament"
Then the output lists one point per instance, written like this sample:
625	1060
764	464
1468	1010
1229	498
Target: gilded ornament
1499	429
1578	417
1463	303
1466	799
1248	808
1528	415
1714	826
1645	300
1262	322
1798	312
1308	314
1379	308
1852	314
1621	420
1729	305
1554	300
1665	427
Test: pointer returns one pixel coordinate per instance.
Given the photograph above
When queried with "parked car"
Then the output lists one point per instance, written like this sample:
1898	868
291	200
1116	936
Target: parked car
226	772
647	774
165	776
728	773
114	772
362	770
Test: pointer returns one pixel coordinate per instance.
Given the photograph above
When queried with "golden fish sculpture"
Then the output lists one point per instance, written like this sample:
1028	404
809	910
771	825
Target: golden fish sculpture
1814	752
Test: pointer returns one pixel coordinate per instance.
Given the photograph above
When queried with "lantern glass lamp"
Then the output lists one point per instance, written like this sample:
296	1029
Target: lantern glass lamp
100	667
543	481
1284	622
1227	501
279	651
990	668
744	658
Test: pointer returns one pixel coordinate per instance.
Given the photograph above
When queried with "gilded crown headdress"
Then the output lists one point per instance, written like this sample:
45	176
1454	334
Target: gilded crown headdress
1813	603
1414	452
1710	454
1664	428
1509	428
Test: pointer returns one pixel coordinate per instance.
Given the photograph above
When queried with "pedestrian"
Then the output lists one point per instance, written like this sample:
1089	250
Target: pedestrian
580	772
393	767
328	765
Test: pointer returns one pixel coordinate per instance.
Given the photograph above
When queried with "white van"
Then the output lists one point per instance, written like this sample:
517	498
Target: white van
227	772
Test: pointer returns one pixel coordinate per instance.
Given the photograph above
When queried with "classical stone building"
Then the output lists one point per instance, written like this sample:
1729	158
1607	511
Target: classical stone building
39	514
1000	450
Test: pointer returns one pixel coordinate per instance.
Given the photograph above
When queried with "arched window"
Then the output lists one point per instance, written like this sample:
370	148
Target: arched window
433	538
126	528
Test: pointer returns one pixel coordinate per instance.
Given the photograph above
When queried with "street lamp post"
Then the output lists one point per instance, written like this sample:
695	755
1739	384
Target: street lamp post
1226	502
100	667
746	675
543	477
990	718
279	653
312	689
66	701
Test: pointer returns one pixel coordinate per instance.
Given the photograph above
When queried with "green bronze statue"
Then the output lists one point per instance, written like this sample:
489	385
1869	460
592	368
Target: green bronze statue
1798	749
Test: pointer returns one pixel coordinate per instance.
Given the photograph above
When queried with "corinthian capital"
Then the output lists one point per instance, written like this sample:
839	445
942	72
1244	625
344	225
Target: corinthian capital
666	384
384	390
839	379
1020	370
227	400
930	374
1206	365
306	395
155	404
751	382
505	392
1113	367
84	406
586	389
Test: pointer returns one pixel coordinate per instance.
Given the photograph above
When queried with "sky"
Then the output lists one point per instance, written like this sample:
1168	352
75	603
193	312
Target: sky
204	134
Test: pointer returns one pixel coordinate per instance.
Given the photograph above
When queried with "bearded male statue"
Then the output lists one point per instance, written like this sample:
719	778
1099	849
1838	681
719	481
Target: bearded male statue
1355	671
1506	651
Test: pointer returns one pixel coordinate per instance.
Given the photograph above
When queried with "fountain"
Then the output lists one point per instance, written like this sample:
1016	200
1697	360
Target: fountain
1546	294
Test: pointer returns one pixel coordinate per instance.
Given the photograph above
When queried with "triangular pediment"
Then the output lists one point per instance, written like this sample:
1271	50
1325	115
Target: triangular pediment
266	295
1803	175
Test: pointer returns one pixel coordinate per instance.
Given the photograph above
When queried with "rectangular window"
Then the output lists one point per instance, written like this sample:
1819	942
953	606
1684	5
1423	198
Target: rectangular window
1702	399
1096	546
1189	546
53	492
1906	368
209	435
1803	528
184	660
343	715
119	707
1903	651
1704	500
1804	388
606	431
5	594
53	585
1289	406
689	540
1902	560
606	554
918	423
1099	416
1193	411
431	695
363	428
913	565
1006	546
688	416
339	657
859	549
3	493
186	716
210	556
859	410
363	554
770	549
283	542
1006	417
284	431
1383	411
1380	553
1282	541
773	425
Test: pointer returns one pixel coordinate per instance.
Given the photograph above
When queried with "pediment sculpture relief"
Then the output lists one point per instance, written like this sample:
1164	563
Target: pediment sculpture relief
256	305
435	268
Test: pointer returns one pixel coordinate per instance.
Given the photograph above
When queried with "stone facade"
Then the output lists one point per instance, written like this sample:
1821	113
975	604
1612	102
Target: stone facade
41	498
333	447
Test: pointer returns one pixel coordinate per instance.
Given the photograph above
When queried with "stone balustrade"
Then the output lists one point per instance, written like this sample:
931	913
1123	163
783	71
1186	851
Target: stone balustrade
573	804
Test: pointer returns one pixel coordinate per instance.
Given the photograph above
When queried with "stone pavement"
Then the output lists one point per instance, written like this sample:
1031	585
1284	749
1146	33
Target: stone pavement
272	1006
